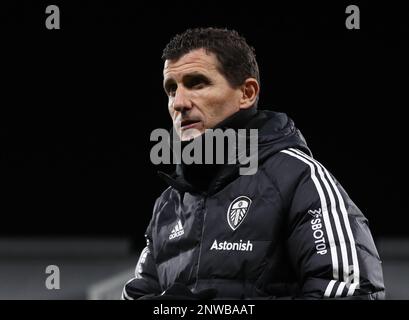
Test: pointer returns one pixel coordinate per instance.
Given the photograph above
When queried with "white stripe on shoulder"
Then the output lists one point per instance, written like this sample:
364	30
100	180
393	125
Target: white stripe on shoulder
340	289
333	249
352	288
334	212
355	264
328	291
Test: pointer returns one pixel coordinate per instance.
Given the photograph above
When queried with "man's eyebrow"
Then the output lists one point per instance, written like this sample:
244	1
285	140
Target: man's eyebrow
187	77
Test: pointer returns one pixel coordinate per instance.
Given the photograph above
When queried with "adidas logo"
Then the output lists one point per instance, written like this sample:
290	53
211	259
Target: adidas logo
177	231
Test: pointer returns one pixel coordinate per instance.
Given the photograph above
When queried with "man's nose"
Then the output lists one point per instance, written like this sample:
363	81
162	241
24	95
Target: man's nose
181	102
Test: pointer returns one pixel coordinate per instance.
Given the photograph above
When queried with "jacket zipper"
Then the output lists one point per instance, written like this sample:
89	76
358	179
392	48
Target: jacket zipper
201	241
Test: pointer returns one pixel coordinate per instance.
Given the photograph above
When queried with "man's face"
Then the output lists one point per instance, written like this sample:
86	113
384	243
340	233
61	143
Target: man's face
199	95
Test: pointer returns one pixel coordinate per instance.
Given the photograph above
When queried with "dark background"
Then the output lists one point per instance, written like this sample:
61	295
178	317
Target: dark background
78	105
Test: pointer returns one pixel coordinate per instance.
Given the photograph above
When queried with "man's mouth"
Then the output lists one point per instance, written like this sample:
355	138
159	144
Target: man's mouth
187	124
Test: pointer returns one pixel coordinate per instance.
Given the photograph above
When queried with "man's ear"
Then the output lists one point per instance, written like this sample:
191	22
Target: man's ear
250	90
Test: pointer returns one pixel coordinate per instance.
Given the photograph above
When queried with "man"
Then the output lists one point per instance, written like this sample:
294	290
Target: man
287	231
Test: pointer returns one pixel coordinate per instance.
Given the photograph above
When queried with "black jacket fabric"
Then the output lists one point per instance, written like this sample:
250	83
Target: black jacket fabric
288	231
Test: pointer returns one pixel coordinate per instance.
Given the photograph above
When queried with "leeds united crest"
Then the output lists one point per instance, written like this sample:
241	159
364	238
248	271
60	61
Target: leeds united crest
237	211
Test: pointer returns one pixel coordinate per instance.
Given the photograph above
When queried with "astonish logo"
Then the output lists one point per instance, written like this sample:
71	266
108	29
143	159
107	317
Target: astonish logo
232	246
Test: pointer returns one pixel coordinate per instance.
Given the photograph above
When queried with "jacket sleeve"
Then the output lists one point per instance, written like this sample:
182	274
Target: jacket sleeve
145	281
329	242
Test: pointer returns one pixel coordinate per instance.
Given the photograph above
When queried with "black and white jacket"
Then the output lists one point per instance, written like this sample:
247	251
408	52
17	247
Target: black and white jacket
288	231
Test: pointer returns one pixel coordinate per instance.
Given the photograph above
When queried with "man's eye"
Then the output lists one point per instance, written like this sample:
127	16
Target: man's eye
197	83
171	90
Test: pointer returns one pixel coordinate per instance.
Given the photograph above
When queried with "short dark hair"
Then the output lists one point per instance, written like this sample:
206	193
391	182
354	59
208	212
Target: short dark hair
237	59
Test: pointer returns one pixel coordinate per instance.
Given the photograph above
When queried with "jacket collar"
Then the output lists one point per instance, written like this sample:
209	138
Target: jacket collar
199	178
276	132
